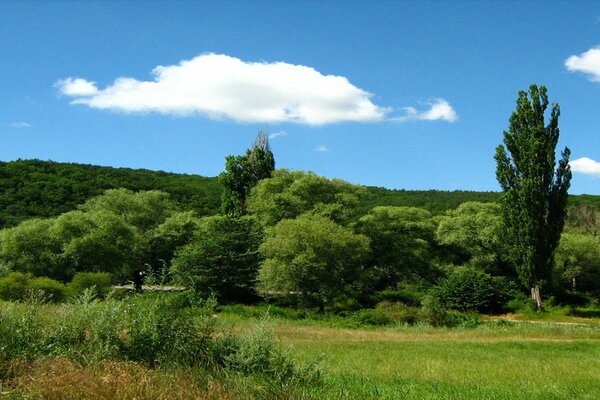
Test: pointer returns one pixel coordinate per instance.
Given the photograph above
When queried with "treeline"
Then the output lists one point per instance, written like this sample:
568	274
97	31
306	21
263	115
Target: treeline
304	241
41	189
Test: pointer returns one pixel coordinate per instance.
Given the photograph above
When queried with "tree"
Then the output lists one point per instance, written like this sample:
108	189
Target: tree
475	229
535	189
578	263
311	260
222	258
400	240
289	194
242	173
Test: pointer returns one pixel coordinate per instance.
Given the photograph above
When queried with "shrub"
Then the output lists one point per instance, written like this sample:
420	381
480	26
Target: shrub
371	317
18	286
408	296
468	289
400	312
53	290
435	314
102	281
14	286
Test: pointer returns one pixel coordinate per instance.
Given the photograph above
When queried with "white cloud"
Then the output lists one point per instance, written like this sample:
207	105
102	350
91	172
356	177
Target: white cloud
585	166
76	87
20	125
220	86
277	134
322	149
439	109
588	63
224	87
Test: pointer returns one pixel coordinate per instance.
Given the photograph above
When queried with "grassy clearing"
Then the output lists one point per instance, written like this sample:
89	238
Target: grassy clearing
545	359
491	362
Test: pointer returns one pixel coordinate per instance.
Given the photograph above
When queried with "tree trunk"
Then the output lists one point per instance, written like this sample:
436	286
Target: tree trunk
535	295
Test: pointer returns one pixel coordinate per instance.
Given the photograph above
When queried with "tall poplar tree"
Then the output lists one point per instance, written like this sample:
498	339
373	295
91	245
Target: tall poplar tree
535	188
243	172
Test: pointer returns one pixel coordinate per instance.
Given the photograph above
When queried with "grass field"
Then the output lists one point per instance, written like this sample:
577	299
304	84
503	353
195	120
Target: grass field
497	360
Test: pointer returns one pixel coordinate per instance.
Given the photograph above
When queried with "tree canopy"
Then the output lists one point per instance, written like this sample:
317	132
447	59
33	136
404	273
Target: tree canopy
242	173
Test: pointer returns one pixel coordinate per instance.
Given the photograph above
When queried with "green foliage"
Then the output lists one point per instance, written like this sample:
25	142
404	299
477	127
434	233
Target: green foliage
470	290
475	229
289	194
222	258
100	281
437	202
242	173
148	330
176	231
578	263
52	290
437	314
42	189
18	286
408	296
33	247
400	240
535	193
311	260
370	317
114	233
400	312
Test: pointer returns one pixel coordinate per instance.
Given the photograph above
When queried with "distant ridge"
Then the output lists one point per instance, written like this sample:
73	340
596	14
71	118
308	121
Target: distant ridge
35	188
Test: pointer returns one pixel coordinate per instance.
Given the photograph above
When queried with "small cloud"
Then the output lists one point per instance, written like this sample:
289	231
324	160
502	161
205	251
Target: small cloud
20	125
322	149
587	63
439	109
76	87
277	134
585	166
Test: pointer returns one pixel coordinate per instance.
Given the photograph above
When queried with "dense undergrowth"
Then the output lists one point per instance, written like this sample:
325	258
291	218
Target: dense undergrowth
160	333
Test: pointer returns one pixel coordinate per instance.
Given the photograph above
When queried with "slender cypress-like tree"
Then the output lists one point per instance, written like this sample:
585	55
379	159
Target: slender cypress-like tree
535	188
243	172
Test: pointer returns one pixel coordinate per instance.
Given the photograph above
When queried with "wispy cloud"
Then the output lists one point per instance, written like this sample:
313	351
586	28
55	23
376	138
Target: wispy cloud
587	63
219	86
586	166
439	109
20	125
322	149
277	134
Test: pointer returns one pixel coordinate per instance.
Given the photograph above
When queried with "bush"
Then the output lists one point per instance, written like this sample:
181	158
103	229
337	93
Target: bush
400	312
408	296
371	317
471	290
14	286
18	286
53	290
102	281
435	314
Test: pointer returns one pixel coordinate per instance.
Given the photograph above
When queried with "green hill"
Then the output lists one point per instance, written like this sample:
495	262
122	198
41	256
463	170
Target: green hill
34	188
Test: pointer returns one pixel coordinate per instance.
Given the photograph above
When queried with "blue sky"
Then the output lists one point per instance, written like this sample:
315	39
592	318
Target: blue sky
407	95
